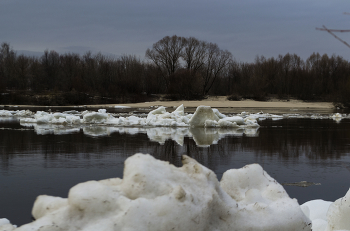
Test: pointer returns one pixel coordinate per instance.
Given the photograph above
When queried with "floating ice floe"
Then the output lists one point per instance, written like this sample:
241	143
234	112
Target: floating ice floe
337	117
42	117
96	117
204	116
155	195
18	113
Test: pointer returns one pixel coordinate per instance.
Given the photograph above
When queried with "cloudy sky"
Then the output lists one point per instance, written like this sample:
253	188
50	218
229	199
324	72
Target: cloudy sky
246	28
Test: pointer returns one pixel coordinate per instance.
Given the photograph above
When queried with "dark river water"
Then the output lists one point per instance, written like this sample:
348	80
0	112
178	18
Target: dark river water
50	160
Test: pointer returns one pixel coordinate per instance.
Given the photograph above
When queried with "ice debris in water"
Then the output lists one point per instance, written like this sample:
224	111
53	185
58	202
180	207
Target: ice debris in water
337	117
204	116
6	225
19	113
42	117
155	195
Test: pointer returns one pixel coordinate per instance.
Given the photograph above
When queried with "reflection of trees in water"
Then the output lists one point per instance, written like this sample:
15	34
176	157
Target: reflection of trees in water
208	156
285	139
314	139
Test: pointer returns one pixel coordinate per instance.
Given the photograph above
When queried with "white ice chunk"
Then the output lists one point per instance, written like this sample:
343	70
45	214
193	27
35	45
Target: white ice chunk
5	113
158	111
227	124
96	117
5	225
154	195
234	119
316	211
263	204
160	117
251	121
220	115
46	204
201	115
180	110
339	213
19	113
204	116
337	115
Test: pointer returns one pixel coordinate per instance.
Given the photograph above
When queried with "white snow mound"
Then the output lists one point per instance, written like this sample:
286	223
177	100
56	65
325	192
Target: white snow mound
155	195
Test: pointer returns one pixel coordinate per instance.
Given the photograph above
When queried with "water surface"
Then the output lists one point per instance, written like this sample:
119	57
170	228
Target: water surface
50	159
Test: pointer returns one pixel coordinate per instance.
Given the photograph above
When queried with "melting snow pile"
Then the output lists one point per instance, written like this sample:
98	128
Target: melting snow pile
204	116
155	195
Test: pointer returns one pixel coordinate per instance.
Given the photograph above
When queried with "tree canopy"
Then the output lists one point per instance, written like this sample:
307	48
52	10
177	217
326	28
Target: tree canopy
201	59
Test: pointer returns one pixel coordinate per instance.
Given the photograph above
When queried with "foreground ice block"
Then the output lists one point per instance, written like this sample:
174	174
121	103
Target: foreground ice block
329	216
155	195
338	214
316	211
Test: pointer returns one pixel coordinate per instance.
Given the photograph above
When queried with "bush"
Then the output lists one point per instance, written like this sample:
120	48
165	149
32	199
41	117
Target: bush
234	97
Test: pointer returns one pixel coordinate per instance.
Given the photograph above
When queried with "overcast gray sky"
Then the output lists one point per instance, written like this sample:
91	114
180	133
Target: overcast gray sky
246	28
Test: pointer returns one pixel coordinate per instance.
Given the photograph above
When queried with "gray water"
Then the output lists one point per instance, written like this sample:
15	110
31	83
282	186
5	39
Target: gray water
50	160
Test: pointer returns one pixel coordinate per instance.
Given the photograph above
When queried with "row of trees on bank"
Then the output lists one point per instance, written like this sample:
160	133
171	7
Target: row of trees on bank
185	68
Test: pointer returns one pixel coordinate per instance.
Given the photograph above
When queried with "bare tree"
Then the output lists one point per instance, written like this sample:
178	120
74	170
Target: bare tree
22	71
194	54
166	55
50	61
7	65
215	62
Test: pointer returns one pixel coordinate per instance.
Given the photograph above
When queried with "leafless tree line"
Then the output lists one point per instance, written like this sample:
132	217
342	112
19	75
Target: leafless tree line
182	68
318	78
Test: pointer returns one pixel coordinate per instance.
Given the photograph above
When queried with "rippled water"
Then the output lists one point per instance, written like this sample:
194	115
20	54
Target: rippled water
48	159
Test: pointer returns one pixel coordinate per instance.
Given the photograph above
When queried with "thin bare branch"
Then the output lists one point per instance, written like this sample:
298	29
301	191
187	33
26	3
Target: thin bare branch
333	30
329	31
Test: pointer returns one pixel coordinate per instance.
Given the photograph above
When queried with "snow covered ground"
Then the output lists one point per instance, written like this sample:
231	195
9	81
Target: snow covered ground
155	195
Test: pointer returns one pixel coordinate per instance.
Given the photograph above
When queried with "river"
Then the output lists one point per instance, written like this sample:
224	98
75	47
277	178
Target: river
47	159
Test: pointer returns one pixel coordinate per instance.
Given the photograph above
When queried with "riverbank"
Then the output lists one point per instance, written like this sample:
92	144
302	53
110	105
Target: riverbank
226	106
214	101
222	102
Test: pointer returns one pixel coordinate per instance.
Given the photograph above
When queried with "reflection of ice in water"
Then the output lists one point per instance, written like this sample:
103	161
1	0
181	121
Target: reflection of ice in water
7	119
203	137
161	134
97	131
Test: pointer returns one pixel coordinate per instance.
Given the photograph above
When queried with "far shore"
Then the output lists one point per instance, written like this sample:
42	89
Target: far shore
221	102
271	106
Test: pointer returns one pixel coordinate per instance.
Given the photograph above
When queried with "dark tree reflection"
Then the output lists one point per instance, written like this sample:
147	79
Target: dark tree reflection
288	139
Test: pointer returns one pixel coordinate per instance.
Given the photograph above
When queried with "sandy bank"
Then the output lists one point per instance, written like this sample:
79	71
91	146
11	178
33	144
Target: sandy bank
222	102
225	105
